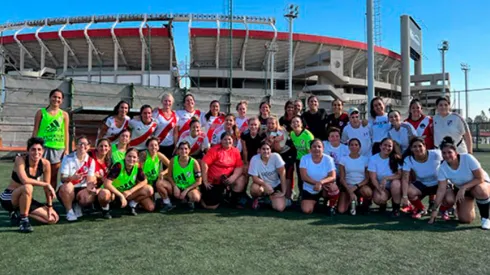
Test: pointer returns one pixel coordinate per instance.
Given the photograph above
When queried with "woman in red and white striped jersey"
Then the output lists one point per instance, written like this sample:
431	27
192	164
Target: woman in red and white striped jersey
142	128
214	118
184	116
422	123
166	120
242	119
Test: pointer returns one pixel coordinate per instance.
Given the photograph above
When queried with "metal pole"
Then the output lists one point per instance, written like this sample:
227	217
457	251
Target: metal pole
272	73
443	74
290	65
466	92
370	53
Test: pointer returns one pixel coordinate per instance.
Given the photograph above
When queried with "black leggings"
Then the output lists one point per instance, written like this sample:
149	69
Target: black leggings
298	173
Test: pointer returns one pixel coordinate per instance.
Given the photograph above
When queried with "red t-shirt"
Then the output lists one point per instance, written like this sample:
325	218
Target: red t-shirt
221	162
425	128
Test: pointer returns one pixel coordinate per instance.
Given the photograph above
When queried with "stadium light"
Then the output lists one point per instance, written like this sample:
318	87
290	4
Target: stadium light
292	13
465	68
443	48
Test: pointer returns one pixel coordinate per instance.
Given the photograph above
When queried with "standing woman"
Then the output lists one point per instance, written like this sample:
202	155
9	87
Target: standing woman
214	118
354	179
184	116
268	177
264	114
17	196
423	124
318	174
385	174
301	139
285	120
228	127
102	156
151	161
198	141
379	123
251	140
298	107
118	151
51	124
316	119
184	176
453	125
142	128
355	129
470	183
125	182
113	124
423	164
401	132
166	120
339	118
242	119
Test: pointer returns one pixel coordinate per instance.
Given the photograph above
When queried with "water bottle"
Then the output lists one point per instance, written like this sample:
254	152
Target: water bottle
353	205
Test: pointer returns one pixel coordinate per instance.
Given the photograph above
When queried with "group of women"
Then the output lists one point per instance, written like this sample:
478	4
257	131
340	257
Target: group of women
163	158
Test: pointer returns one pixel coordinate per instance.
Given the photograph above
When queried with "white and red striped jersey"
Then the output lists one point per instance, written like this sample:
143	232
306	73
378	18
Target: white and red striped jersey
198	144
112	130
71	166
216	138
213	123
184	119
242	124
140	132
165	126
424	128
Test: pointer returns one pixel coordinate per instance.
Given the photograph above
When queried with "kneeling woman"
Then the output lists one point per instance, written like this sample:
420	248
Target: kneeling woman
125	182
184	176
78	186
385	174
222	168
423	164
318	174
268	177
18	195
470	183
354	179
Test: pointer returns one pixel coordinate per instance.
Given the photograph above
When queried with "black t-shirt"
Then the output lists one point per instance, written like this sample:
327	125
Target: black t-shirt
339	122
316	123
116	170
285	123
252	143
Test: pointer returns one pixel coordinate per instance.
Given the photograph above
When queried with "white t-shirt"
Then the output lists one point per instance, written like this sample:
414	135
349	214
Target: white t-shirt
380	166
379	127
316	171
71	165
464	173
403	135
425	172
355	169
165	127
363	134
335	152
267	172
113	130
452	125
140	132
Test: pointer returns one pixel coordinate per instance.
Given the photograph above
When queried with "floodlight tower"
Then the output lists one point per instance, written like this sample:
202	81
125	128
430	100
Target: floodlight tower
465	68
292	13
443	49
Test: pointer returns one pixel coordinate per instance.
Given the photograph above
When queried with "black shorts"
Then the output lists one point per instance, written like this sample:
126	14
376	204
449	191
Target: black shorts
426	190
213	196
168	151
6	202
467	194
76	190
307	196
199	155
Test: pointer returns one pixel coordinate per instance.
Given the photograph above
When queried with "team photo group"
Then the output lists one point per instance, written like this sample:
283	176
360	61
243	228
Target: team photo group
165	158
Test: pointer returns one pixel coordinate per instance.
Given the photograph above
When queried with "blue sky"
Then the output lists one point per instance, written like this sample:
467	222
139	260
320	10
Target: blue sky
465	24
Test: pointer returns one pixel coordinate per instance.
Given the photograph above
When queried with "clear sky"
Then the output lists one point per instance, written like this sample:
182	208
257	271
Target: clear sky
464	23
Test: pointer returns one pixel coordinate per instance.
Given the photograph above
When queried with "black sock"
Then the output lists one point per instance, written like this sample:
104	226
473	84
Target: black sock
234	197
396	206
483	206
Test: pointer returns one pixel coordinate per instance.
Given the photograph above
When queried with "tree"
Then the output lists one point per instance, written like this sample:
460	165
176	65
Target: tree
482	119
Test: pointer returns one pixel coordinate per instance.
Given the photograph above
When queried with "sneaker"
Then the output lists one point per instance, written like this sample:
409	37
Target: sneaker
255	204
14	218
242	203
395	213
431	205
78	210
485	224
353	211
417	214
167	207
106	214
408	209
25	226
191	206
71	216
133	212
289	203
444	215
331	211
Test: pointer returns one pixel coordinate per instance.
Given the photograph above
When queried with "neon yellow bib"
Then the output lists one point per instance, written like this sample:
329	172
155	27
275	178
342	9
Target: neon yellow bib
52	130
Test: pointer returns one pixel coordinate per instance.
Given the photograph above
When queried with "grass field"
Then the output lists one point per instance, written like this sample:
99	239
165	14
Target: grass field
244	242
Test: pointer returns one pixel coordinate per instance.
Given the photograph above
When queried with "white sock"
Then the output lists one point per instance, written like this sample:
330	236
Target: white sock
105	208
70	212
133	204
166	201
